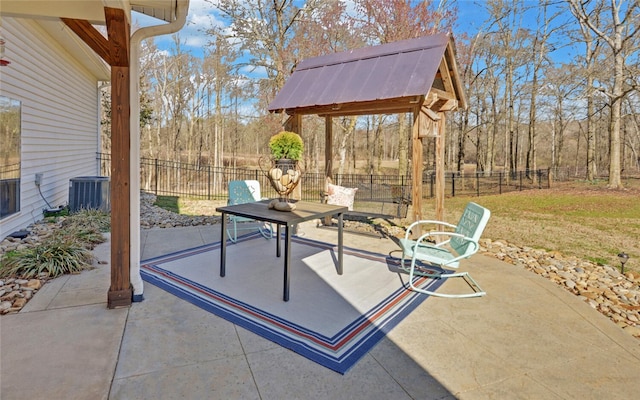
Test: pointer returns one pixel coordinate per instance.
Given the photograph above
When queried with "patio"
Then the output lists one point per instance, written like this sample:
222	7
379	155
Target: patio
526	339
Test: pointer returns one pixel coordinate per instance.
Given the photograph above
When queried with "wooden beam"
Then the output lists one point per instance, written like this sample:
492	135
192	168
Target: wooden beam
442	95
456	80
416	164
118	30
440	154
120	292
387	106
449	105
328	156
328	146
430	99
294	123
91	36
444	72
430	113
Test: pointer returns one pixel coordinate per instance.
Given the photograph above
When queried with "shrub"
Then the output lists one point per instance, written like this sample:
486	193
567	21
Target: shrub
67	251
55	256
94	219
286	145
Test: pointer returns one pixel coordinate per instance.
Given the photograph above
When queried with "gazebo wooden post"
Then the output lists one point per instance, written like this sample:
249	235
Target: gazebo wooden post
328	146
440	145
416	163
328	156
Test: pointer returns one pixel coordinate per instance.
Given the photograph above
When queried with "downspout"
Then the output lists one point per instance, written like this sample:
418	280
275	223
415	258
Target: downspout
141	34
101	86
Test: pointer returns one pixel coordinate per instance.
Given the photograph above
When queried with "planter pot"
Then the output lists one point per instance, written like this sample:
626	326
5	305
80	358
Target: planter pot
285	164
284	177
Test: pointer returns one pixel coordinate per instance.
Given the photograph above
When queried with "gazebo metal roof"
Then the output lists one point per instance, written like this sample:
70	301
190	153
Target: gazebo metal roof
388	78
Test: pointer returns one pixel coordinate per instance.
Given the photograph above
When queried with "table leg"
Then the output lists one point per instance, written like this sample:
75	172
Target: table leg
223	244
340	244
287	258
278	240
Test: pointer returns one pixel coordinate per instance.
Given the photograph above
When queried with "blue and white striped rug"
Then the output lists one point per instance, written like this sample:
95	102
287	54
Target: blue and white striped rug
331	319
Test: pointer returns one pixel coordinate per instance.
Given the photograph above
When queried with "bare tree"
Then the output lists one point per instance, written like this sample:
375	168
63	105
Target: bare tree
619	32
505	31
265	30
540	56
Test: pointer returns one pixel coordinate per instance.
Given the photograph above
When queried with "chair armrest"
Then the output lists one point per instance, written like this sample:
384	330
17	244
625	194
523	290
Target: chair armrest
426	222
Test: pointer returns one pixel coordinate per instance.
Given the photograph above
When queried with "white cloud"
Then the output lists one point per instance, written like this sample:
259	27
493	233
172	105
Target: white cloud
200	17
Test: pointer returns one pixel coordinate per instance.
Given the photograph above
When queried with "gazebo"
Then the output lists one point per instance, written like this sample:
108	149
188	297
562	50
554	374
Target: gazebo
418	76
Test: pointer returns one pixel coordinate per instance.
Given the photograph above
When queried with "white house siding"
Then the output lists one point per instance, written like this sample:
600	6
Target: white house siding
59	117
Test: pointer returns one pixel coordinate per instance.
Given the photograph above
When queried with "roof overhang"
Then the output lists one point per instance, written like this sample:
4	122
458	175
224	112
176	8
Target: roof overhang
88	10
47	13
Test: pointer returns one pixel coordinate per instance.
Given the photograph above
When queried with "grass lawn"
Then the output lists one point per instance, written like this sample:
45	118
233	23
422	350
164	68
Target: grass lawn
578	219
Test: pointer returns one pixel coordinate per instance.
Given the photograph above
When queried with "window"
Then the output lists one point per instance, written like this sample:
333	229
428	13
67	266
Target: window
9	156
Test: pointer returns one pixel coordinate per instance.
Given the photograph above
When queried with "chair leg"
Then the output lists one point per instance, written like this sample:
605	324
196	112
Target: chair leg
233	237
478	292
266	232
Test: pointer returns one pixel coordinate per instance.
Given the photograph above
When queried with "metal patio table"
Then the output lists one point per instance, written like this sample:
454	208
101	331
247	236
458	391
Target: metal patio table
305	211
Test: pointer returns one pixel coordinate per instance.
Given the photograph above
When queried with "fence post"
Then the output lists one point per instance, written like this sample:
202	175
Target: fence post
371	186
208	182
500	182
520	178
477	184
539	176
453	184
156	180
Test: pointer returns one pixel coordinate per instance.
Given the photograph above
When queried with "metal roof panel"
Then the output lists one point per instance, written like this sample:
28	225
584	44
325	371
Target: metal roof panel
389	71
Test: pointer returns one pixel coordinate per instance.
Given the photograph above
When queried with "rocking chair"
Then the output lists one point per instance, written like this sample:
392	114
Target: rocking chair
462	243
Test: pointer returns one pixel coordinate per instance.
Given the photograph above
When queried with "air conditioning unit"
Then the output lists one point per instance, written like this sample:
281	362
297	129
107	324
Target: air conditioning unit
89	192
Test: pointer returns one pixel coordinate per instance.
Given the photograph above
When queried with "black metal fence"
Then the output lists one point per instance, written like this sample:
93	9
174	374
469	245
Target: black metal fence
170	178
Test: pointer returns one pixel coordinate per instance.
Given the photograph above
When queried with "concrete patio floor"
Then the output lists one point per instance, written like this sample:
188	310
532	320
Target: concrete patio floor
527	339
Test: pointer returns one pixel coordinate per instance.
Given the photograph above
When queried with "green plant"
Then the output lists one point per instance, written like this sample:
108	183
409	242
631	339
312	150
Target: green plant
89	219
55	256
286	145
66	251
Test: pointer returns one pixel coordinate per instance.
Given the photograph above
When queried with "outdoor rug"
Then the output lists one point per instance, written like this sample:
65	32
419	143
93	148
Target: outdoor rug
331	319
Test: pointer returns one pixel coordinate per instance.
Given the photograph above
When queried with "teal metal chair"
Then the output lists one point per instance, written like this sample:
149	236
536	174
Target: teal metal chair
461	243
241	192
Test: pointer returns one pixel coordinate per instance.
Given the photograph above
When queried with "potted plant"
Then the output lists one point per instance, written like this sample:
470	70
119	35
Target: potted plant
286	150
286	145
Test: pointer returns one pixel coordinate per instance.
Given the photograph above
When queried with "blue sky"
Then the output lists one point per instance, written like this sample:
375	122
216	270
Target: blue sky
202	16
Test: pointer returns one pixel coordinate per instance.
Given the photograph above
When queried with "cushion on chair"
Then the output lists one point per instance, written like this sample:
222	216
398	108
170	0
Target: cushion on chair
341	196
